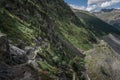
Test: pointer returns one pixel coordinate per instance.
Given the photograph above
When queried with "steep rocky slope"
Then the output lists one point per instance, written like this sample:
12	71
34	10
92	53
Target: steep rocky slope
34	46
66	23
44	40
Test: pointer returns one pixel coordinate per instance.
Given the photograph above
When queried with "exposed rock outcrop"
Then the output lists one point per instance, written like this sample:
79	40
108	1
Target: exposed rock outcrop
11	54
14	63
103	63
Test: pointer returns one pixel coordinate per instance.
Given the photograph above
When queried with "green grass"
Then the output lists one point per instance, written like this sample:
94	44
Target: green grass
78	36
46	66
96	26
16	30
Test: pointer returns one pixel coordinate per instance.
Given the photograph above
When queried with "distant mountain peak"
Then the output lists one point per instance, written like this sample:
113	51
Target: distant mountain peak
109	10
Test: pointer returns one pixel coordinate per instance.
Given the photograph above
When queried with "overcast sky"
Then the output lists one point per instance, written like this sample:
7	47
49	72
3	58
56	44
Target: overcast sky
93	5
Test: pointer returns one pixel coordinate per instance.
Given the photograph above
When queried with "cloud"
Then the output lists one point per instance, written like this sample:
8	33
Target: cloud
94	5
78	7
90	2
109	3
91	8
98	4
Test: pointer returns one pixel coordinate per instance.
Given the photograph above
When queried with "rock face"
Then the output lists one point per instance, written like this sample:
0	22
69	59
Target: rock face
103	63
13	62
18	64
6	52
3	46
18	56
10	53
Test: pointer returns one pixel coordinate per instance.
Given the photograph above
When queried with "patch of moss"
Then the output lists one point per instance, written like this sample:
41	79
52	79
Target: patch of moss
48	67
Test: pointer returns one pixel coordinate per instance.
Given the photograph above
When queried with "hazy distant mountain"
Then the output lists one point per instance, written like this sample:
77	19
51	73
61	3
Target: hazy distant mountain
111	16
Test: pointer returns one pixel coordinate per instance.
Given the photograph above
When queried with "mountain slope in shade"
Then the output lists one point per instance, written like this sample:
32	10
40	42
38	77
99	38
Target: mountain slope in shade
111	16
94	24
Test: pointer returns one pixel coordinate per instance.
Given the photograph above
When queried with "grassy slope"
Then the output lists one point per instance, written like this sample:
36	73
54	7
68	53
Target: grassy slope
24	22
80	32
94	24
28	19
14	28
67	24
